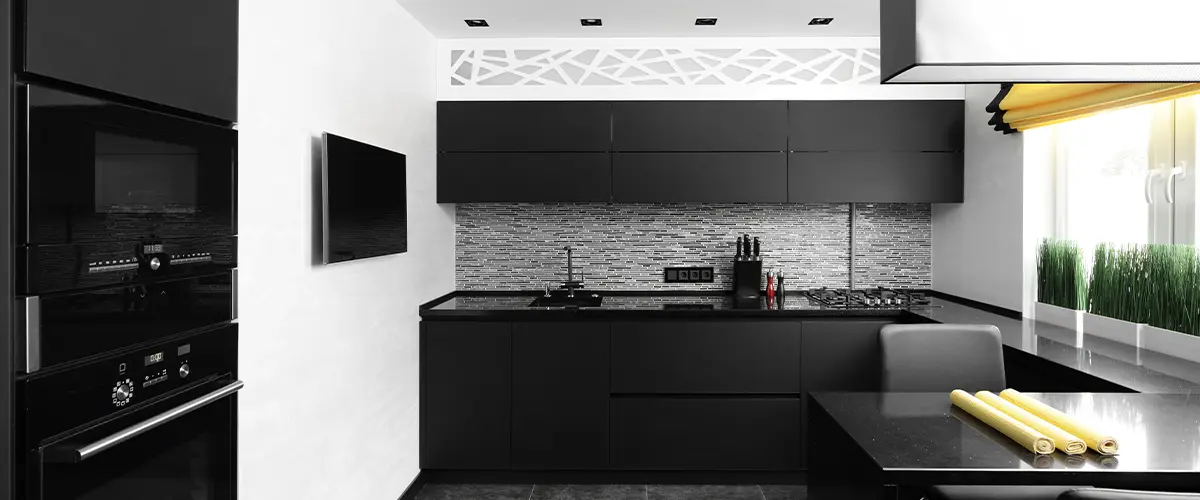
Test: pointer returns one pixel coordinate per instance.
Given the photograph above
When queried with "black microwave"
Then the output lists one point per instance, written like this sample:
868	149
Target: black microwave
109	193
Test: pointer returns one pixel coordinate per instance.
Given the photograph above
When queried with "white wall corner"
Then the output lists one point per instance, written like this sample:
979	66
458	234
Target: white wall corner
977	245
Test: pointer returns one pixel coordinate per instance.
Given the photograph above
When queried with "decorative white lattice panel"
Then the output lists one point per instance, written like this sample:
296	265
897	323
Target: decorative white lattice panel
663	66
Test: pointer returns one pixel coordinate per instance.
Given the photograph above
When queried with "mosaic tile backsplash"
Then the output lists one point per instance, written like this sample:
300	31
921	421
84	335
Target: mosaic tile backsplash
626	246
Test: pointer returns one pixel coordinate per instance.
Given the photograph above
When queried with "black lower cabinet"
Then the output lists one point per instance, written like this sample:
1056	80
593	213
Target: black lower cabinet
560	396
880	177
713	357
523	177
706	433
466	378
700	177
839	355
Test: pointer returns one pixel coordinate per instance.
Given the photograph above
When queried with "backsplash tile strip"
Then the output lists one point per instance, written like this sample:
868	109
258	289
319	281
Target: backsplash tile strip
625	246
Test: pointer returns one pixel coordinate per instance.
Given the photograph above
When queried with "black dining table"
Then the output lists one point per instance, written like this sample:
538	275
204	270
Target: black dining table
874	445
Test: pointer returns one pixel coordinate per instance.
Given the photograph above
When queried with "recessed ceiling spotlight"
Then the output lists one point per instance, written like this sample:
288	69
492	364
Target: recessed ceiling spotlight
476	23
590	22
820	21
706	21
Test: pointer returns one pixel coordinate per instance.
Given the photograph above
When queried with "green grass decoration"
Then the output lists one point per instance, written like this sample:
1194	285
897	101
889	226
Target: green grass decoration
1154	284
1062	280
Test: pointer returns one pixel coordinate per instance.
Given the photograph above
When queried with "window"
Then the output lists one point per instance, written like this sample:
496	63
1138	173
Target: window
1128	176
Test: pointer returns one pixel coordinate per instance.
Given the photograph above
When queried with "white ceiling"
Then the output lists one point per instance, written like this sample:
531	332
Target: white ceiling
645	18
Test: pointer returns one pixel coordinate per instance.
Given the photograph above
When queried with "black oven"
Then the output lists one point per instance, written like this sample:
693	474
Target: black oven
109	194
157	423
75	326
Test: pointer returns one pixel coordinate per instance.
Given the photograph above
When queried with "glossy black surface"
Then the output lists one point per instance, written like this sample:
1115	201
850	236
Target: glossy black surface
44	269
177	53
366	200
1128	366
82	324
94	171
921	435
617	305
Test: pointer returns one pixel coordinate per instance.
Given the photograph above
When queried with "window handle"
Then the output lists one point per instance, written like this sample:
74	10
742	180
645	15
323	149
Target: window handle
1150	175
1177	172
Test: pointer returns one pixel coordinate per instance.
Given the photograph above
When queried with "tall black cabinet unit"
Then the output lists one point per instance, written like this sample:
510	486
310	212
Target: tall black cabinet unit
176	53
7	283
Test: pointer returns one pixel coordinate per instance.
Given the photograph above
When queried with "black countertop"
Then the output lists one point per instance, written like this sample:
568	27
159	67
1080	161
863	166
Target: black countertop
1128	366
923	433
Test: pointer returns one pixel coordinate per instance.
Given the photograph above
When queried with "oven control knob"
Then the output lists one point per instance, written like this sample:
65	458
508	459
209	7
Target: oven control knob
155	264
122	393
184	370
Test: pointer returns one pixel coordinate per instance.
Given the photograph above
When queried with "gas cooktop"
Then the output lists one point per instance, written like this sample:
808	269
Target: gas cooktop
871	298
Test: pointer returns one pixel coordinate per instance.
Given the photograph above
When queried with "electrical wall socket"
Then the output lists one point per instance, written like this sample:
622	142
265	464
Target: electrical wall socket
688	275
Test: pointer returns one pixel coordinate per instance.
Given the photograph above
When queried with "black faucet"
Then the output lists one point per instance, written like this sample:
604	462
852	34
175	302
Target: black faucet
570	285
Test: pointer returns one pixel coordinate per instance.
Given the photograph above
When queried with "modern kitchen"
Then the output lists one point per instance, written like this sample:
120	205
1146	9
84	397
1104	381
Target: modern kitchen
669	250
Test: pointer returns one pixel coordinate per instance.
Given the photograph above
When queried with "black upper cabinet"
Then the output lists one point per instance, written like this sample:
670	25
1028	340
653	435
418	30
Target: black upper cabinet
466	379
560	396
930	125
523	177
696	126
480	126
178	53
699	177
880	177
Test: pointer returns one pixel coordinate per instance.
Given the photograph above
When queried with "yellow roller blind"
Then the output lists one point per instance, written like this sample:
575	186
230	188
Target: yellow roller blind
1024	106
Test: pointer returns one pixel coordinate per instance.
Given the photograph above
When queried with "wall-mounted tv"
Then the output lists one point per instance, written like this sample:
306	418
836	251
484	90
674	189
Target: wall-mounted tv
364	205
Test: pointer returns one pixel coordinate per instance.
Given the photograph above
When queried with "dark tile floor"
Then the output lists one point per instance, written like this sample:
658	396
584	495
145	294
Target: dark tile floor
610	492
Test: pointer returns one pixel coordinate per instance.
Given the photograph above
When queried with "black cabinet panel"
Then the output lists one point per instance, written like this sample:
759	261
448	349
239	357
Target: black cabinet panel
885	177
699	177
840	355
932	125
516	177
700	126
706	434
678	357
466	370
560	396
180	53
523	126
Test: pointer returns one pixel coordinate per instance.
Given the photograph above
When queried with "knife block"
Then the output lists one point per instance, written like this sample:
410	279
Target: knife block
747	278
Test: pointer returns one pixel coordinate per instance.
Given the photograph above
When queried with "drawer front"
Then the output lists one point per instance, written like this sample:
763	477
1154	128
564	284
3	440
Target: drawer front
523	126
890	177
706	434
517	177
933	125
669	357
700	177
700	126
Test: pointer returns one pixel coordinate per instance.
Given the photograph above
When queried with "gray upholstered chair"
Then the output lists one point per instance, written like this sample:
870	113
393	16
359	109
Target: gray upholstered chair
941	358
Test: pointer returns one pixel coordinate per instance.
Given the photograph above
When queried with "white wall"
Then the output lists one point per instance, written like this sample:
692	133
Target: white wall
977	245
329	353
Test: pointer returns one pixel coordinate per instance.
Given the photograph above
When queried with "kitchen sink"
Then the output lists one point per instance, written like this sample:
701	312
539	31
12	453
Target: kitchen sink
560	299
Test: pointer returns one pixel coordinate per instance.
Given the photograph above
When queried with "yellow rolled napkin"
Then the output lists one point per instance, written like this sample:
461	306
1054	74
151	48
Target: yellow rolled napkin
1102	443
1063	440
1022	434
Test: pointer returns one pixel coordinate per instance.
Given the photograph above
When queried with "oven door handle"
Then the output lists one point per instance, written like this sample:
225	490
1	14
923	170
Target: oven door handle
149	424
